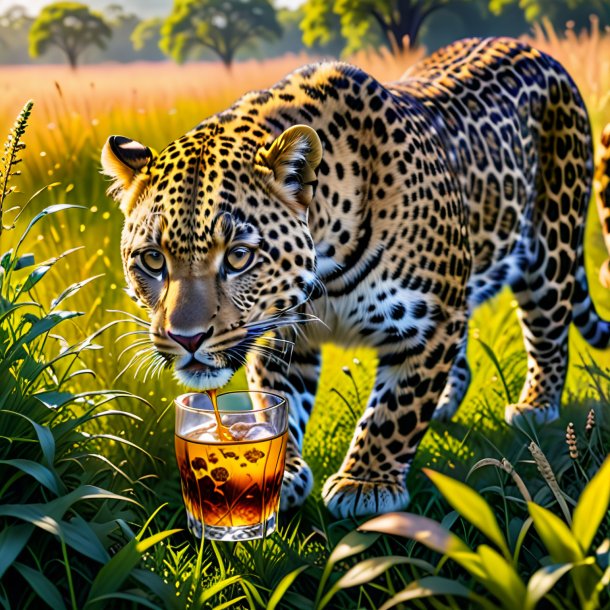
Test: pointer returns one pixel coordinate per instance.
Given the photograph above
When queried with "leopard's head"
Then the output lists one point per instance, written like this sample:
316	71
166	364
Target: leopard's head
215	243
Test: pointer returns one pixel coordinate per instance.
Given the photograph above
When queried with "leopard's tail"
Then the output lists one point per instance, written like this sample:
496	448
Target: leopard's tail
602	189
592	327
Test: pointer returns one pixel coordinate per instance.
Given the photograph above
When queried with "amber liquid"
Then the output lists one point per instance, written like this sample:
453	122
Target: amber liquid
231	483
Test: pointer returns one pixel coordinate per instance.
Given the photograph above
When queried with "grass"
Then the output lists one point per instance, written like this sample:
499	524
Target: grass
73	115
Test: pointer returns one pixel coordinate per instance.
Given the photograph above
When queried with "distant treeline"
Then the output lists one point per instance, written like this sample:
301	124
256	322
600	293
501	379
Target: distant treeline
198	29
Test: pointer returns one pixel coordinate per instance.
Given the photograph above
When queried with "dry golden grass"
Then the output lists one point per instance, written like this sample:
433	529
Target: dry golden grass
586	57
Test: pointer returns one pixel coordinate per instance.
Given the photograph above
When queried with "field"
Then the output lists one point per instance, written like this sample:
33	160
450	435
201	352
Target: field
126	447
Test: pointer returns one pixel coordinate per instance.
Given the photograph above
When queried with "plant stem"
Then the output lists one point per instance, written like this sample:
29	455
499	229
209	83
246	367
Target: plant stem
69	574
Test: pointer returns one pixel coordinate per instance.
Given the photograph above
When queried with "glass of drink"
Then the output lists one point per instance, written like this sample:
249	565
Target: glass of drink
231	461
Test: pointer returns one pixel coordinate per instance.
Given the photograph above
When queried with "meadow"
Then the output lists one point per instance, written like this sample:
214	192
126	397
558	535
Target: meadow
111	425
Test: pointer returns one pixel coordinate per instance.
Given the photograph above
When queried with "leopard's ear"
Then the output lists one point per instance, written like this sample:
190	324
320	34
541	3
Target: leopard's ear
127	163
291	163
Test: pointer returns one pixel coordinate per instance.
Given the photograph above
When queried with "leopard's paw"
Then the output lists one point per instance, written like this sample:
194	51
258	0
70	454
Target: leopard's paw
346	496
297	483
540	414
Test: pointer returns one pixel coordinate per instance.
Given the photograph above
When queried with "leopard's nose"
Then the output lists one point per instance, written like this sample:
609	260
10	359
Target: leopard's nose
190	343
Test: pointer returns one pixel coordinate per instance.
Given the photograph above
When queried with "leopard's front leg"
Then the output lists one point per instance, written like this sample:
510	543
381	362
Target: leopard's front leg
297	382
372	478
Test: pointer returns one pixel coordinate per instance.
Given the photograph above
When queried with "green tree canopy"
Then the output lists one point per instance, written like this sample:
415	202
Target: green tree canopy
397	22
147	33
222	26
69	26
558	12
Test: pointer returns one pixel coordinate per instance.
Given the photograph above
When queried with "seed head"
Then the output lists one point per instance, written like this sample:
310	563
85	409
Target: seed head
571	441
590	422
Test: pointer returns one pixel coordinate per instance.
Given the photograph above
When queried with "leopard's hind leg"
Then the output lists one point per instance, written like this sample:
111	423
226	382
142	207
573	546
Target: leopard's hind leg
549	290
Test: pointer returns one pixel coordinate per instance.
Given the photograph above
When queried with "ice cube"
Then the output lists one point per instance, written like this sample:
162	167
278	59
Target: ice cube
208	433
252	431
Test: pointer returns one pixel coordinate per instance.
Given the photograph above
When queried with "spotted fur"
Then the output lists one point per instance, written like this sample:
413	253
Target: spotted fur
388	212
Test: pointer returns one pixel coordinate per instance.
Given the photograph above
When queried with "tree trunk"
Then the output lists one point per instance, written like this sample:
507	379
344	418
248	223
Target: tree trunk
227	58
72	58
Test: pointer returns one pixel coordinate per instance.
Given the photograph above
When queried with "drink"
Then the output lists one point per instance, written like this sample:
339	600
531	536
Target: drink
231	465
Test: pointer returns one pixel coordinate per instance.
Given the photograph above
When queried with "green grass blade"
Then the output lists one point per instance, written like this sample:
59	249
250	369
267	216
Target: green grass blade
426	531
72	289
216	588
43	587
283	586
52	209
13	539
39	472
351	544
435	586
542	581
130	597
49	513
492	356
561	544
164	591
502	579
367	570
110	578
78	534
471	506
592	507
45	436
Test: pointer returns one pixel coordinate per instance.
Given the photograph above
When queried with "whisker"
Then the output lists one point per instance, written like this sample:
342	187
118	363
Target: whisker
132	346
143	353
133	317
137	332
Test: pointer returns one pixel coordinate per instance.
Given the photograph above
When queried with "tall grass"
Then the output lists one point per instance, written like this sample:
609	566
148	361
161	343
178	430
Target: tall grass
155	103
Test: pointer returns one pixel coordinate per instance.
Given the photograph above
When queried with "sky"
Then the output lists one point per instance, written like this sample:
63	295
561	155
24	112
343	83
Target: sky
142	8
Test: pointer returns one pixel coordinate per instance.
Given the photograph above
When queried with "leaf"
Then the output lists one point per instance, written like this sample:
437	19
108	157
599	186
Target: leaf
78	534
424	530
283	586
351	544
592	506
432	586
164	591
45	437
72	289
45	324
54	400
555	534
33	279
502	580
45	589
41	473
216	588
471	506
492	356
13	539
47	515
369	569
365	571
52	209
110	578
542	581
25	260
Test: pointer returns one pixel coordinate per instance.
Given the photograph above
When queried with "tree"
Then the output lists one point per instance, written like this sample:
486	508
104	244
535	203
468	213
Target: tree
558	12
14	26
147	34
223	26
397	22
71	27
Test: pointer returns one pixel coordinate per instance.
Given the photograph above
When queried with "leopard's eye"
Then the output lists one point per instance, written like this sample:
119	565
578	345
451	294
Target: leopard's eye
152	262
238	258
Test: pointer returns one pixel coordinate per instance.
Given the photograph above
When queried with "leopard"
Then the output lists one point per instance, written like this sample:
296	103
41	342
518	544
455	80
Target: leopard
330	207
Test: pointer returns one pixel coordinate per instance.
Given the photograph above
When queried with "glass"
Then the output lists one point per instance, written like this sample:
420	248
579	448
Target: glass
231	487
